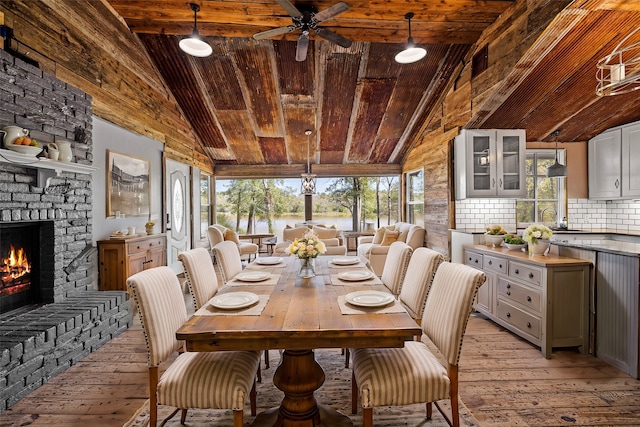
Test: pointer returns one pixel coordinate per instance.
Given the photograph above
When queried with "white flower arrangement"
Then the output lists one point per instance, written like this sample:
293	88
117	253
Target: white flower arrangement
536	232
309	246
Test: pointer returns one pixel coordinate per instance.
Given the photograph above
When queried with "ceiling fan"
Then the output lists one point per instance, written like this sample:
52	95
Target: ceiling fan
306	20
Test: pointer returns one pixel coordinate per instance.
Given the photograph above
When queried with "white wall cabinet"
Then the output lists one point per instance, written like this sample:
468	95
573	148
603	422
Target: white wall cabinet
613	160
490	163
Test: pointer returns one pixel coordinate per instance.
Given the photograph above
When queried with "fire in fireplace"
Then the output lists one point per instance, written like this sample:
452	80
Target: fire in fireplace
22	252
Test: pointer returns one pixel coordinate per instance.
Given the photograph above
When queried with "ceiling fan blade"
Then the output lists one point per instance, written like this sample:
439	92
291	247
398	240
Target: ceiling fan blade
274	32
332	11
333	37
290	8
302	46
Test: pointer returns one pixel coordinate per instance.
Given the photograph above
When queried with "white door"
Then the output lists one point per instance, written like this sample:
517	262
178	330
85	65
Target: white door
177	196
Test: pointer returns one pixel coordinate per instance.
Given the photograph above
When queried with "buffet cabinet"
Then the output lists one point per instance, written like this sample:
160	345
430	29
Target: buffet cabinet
122	257
543	299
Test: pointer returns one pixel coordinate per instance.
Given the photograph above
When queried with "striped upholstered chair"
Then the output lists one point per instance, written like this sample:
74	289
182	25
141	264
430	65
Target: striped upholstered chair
203	281
229	260
413	374
193	380
395	268
200	274
417	282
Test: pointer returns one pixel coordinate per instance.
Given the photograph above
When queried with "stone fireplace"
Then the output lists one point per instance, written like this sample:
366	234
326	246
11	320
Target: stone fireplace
46	210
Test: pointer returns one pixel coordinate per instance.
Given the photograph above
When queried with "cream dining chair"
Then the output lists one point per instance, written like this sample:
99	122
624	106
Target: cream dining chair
228	259
203	282
413	374
417	281
395	268
194	379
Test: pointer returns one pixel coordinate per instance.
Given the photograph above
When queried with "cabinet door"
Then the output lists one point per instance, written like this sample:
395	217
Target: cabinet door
481	162
155	258
630	160
137	263
510	146
485	297
605	166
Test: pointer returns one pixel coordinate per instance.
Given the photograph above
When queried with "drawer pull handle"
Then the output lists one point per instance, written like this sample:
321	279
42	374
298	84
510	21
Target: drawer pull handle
528	324
508	285
528	298
500	265
517	271
476	261
530	275
490	262
508	314
508	292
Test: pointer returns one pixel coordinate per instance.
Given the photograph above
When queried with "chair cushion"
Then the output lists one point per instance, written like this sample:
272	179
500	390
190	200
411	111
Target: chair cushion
216	380
389	237
325	233
399	376
232	236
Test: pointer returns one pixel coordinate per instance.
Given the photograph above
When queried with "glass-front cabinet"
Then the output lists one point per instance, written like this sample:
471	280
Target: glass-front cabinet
490	163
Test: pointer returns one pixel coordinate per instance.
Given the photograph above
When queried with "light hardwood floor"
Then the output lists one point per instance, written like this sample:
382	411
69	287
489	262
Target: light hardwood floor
504	382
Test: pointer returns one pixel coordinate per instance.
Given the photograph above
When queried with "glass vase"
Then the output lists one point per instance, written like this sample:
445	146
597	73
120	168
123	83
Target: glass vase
307	268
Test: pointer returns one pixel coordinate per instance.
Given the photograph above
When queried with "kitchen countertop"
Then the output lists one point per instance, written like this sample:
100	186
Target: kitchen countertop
542	260
611	246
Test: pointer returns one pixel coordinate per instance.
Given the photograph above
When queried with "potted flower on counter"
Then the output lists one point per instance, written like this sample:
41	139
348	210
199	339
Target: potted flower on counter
494	235
537	236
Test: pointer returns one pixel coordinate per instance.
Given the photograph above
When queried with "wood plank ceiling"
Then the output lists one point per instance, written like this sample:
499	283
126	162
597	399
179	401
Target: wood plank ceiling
250	102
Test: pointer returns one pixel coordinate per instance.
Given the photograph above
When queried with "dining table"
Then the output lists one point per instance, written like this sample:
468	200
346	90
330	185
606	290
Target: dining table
268	306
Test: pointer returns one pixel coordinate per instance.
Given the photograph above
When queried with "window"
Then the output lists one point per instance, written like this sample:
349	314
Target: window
415	197
544	202
205	205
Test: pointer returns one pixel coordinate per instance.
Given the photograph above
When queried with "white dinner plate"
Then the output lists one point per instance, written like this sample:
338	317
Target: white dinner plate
234	300
268	260
346	261
355	276
253	276
369	298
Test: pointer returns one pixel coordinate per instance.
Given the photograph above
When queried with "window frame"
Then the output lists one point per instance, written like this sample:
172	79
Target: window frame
410	203
561	199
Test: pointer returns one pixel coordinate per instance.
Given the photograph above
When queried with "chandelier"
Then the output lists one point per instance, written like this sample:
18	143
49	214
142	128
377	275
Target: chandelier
619	72
308	179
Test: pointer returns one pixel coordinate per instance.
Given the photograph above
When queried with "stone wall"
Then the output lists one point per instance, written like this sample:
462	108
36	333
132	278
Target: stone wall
36	343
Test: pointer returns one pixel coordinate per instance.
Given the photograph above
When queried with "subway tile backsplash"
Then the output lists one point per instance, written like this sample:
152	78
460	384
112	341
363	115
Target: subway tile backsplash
582	214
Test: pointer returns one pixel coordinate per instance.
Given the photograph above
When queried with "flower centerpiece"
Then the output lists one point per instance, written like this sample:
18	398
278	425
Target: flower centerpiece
494	234
534	234
306	249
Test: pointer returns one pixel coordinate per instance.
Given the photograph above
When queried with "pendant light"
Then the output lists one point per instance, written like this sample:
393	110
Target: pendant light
556	170
194	45
308	179
411	53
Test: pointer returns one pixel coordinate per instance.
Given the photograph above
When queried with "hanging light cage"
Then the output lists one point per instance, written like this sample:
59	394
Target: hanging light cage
619	72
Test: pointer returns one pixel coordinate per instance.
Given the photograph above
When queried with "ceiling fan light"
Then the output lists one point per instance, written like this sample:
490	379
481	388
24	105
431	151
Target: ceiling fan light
195	46
410	54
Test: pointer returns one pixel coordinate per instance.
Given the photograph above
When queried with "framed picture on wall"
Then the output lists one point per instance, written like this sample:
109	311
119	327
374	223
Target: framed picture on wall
128	182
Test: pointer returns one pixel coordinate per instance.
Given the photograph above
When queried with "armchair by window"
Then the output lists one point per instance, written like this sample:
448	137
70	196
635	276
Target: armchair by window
218	233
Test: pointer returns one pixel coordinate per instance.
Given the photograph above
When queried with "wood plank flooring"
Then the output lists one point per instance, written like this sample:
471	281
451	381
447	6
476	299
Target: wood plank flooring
504	382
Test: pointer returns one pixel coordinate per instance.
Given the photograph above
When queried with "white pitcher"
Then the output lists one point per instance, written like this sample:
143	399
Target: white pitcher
64	148
11	133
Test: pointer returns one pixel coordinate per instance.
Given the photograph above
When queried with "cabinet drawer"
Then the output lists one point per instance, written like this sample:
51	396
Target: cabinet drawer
528	297
525	322
473	259
492	263
145	245
526	273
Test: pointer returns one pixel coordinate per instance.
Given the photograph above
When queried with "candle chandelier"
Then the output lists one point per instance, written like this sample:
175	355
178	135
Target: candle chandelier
308	179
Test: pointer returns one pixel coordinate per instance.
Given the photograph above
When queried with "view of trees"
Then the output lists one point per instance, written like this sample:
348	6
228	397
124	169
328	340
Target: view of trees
241	204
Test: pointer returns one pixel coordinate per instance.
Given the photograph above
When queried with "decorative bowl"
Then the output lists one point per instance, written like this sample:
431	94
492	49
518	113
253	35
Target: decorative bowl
24	149
494	240
515	247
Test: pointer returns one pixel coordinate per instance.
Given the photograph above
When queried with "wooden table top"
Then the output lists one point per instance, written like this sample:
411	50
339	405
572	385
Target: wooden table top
300	314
